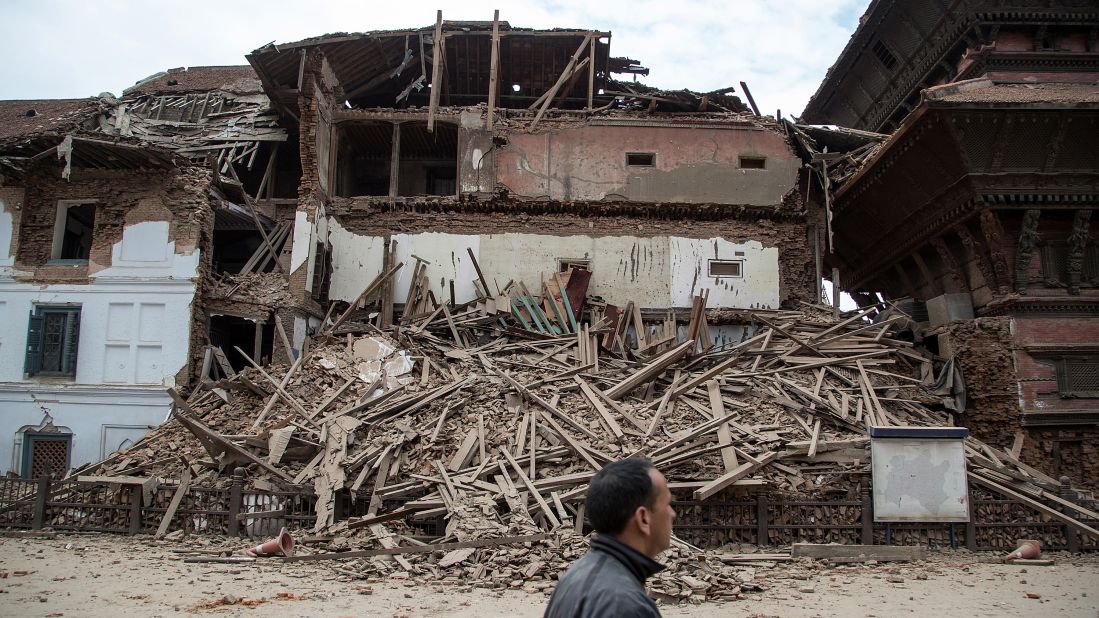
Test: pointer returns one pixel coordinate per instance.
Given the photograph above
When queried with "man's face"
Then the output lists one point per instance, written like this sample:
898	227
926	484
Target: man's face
661	515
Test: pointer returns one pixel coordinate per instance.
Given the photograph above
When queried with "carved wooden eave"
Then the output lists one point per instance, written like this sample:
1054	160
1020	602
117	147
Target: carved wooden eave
939	170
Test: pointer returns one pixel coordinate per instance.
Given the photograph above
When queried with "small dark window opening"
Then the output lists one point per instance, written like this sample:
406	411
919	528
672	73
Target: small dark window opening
753	163
886	57
229	332
566	264
641	159
726	268
75	242
322	272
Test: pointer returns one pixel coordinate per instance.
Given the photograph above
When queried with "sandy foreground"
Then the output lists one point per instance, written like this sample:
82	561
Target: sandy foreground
104	575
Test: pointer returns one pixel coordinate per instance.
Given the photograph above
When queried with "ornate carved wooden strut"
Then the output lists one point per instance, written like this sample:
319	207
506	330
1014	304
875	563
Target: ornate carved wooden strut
974	253
993	234
951	268
1024	250
1077	244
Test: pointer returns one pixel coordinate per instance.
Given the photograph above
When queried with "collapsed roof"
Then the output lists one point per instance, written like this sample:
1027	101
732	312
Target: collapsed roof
394	68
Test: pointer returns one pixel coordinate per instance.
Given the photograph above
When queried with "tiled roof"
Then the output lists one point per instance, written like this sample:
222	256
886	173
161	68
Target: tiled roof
986	91
29	117
240	78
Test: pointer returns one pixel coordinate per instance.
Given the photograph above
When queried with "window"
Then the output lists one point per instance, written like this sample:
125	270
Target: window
753	163
641	159
1078	376
52	338
726	268
72	235
886	57
566	264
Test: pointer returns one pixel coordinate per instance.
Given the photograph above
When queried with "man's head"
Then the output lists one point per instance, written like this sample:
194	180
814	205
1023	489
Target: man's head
629	499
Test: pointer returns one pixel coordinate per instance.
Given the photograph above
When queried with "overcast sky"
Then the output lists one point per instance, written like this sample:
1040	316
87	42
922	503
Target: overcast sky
79	48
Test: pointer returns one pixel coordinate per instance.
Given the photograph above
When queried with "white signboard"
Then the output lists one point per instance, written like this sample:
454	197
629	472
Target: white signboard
917	478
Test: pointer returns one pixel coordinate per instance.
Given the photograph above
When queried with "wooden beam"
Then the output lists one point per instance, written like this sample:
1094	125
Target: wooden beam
735	475
417	549
494	69
436	70
859	553
548	96
591	71
395	160
1034	504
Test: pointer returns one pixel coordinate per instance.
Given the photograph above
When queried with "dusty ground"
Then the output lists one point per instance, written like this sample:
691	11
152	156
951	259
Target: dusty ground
92	575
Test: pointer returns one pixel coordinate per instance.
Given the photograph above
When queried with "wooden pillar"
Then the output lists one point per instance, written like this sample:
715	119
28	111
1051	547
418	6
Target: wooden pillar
395	160
762	535
436	70
971	525
867	517
1072	538
40	502
494	69
235	501
591	72
836	293
136	495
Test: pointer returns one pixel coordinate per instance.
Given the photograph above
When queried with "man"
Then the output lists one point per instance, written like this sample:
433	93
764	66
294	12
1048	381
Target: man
630	507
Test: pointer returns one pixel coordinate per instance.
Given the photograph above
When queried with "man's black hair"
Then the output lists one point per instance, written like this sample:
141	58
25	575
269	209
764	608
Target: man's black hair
616	491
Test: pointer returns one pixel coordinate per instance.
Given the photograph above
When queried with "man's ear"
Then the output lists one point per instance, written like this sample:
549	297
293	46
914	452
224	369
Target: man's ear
644	520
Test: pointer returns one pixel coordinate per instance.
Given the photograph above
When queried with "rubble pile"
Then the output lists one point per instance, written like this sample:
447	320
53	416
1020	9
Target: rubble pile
494	429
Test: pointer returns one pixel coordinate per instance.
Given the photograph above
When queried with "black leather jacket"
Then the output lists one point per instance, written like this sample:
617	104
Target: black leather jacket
606	582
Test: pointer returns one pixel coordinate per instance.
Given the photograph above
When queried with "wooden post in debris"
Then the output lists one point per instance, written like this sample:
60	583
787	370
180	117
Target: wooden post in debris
235	501
1072	539
762	534
493	70
971	525
836	293
867	518
436	71
394	160
40	502
136	495
591	72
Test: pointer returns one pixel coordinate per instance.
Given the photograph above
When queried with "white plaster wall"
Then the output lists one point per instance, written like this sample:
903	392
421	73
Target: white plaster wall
6	229
356	260
756	289
624	268
100	418
656	272
303	230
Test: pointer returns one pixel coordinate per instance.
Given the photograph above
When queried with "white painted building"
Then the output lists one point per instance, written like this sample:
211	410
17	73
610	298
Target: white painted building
107	350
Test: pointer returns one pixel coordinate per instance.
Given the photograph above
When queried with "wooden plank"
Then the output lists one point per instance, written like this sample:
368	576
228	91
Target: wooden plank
573	444
417	549
600	409
284	339
1034	504
370	289
554	522
650	371
493	70
724	435
465	452
436	71
547	99
859	553
731	477
278	388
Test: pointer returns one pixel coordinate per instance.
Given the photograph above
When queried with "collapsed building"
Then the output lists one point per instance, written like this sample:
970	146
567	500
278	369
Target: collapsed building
213	217
978	207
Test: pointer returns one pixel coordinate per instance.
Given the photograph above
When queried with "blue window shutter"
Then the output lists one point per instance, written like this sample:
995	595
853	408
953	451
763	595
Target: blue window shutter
72	337
35	332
